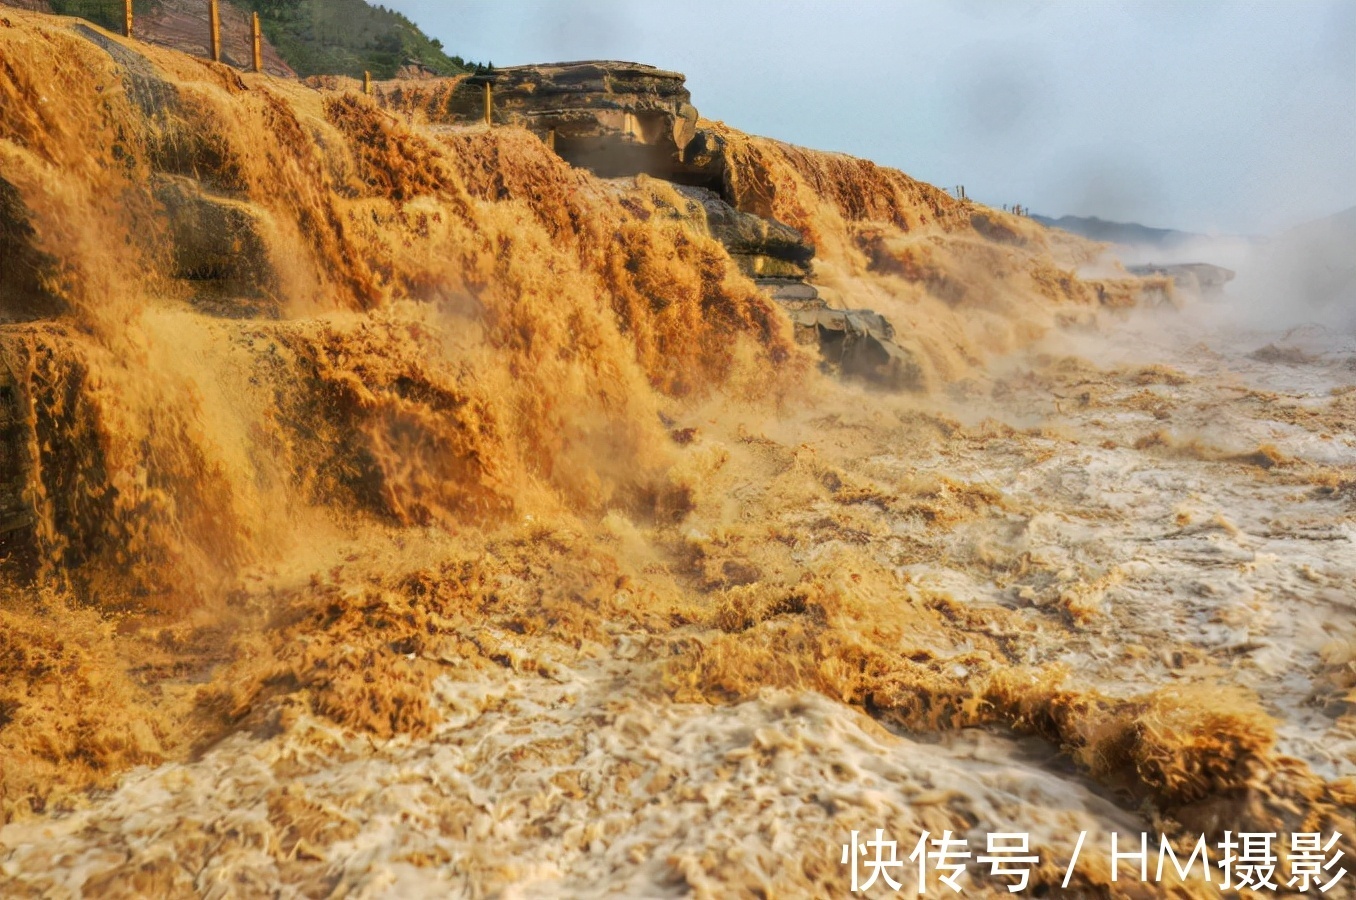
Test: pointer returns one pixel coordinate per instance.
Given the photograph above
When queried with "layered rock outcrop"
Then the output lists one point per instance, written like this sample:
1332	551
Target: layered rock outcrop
622	119
613	118
1201	279
764	249
857	343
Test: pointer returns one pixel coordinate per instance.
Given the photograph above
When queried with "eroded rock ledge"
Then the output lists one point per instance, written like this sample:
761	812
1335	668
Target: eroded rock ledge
856	343
623	119
1202	279
614	118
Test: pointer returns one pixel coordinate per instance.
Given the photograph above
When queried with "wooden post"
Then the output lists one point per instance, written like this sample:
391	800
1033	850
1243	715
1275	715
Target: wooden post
258	45
551	139
214	14
489	103
367	82
127	18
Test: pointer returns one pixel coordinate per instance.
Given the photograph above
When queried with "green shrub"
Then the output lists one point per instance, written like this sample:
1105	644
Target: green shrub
315	37
348	37
107	13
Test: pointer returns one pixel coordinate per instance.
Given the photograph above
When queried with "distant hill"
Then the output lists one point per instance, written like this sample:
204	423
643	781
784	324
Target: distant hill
178	24
1130	233
348	37
303	37
1306	273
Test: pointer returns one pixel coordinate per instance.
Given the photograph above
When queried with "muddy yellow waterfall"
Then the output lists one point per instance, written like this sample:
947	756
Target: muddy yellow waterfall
401	505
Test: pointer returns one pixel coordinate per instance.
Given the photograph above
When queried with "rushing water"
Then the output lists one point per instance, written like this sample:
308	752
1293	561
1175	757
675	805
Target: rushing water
1161	549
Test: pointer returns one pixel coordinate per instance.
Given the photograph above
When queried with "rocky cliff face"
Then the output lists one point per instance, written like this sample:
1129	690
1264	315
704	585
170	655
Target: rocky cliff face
856	343
764	249
621	119
780	211
612	118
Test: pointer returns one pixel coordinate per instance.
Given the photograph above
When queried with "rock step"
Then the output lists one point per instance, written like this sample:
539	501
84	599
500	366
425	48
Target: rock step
788	290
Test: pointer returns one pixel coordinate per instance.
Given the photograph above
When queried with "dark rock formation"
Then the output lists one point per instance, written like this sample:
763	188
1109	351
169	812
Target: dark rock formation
15	512
763	248
1202	279
703	163
856	343
217	243
24	268
788	290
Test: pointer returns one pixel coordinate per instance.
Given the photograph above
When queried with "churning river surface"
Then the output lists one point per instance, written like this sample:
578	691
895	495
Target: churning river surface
1174	521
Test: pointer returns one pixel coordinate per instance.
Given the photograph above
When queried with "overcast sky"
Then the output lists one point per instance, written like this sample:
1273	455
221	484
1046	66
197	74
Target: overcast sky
1213	117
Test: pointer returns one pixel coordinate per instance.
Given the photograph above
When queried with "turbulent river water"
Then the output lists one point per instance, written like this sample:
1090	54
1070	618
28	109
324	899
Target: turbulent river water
1168	510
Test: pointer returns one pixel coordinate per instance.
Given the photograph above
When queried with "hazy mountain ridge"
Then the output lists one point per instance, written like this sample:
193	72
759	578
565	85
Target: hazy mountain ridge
1096	229
1311	265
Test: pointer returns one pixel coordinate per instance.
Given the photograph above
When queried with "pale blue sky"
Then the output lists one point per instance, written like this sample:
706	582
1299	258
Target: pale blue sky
1207	116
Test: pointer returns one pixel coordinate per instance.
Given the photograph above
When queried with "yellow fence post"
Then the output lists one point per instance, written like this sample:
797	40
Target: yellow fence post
127	18
258	46
214	13
551	139
489	103
367	82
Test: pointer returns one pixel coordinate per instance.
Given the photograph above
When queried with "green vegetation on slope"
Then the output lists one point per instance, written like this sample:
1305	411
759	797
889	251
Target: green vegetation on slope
348	37
106	13
315	37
